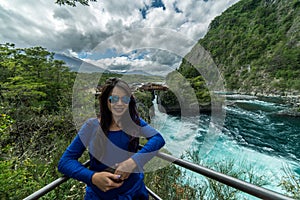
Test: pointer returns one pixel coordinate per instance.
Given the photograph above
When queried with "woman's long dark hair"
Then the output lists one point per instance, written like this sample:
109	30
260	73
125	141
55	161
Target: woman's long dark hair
129	124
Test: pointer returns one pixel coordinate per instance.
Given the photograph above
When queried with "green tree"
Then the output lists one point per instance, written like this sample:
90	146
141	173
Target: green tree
33	80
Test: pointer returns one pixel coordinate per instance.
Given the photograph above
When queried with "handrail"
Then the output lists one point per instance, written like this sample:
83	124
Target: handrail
228	180
51	186
152	194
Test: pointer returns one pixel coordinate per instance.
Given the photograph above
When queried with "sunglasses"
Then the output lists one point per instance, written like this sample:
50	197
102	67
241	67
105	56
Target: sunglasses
115	99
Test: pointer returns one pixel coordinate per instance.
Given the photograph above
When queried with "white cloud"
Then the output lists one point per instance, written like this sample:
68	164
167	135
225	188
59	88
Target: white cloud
157	17
122	9
31	22
74	30
150	61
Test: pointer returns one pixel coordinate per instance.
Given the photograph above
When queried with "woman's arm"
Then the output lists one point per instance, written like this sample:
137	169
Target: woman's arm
150	149
69	164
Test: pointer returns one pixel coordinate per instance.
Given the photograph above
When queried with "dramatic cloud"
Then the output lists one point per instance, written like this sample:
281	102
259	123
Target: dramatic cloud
29	23
147	61
79	31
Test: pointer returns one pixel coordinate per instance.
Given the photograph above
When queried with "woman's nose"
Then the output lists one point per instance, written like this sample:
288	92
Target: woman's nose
119	101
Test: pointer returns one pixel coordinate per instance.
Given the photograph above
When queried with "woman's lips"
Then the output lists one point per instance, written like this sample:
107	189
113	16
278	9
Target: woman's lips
118	109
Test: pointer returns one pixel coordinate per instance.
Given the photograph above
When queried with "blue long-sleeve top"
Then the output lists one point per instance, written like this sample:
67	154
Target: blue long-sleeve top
107	154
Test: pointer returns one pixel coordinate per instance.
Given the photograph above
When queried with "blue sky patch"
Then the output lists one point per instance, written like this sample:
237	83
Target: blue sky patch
154	4
176	8
109	53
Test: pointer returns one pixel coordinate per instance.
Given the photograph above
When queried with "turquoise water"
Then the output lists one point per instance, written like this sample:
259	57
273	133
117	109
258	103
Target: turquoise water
253	134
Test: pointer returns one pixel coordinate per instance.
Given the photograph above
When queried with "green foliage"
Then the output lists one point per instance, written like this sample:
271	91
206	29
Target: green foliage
170	182
5	124
16	176
291	183
71	190
35	92
33	80
187	70
255	42
168	98
144	104
145	98
31	151
188	90
202	93
35	119
216	190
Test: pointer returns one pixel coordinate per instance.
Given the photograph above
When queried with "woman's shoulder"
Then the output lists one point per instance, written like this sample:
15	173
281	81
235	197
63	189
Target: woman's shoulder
143	122
89	128
91	123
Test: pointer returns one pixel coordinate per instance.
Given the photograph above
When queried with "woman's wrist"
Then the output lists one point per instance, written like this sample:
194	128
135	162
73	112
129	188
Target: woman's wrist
132	163
93	179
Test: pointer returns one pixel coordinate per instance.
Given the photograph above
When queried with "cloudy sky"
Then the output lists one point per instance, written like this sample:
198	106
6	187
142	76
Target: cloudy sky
119	35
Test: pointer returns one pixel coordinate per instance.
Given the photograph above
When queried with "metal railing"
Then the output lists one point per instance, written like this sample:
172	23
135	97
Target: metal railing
246	187
228	180
51	186
48	188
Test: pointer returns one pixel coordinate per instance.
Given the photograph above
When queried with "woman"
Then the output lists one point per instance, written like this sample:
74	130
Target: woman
116	165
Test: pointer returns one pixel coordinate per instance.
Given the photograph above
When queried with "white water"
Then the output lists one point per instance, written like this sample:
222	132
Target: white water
183	135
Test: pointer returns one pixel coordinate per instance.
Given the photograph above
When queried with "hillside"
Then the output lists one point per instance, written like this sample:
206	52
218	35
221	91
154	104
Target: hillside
256	45
76	64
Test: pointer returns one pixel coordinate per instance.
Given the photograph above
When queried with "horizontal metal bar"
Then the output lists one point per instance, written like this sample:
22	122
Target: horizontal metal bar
228	180
51	186
41	192
152	194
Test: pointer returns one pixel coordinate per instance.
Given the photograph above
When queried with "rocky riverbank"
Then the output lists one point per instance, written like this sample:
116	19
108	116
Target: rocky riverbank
292	99
173	106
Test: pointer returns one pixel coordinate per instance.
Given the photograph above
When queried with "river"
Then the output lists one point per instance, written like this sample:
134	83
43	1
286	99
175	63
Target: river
253	134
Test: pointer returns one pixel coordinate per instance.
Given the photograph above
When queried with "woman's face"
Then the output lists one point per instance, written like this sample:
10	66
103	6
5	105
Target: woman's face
118	102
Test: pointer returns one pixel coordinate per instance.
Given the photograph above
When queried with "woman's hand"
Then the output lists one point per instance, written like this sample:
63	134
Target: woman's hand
125	168
104	180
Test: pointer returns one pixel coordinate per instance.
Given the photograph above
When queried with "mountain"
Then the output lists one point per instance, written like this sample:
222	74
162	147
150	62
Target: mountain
256	46
137	72
76	64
